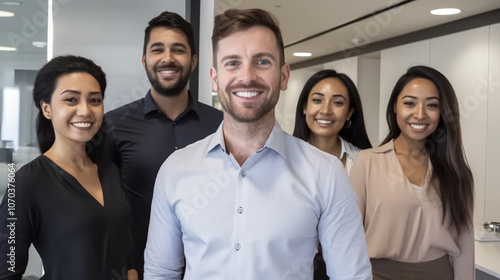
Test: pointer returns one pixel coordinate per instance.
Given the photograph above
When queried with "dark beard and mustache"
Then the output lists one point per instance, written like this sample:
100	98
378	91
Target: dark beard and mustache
170	91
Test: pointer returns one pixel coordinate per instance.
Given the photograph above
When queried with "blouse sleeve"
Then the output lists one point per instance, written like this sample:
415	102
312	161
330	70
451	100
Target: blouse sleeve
16	227
358	181
463	264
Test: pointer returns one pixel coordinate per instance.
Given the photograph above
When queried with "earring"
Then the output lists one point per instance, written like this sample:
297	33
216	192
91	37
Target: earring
348	124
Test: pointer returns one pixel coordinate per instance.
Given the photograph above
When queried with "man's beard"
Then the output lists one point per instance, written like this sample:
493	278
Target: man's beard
170	91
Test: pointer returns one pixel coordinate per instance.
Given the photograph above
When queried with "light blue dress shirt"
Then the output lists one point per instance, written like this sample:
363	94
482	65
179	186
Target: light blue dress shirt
262	220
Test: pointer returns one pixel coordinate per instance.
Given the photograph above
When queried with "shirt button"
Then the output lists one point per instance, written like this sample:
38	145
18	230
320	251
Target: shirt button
243	173
175	147
173	123
237	247
240	210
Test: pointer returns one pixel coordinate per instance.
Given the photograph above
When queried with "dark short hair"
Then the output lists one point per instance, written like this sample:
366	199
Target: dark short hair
234	20
356	132
45	84
170	20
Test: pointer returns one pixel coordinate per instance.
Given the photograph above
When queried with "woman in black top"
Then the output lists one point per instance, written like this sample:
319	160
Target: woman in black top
67	202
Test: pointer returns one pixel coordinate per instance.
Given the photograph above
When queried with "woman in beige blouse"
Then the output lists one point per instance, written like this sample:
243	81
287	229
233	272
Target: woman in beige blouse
416	190
330	117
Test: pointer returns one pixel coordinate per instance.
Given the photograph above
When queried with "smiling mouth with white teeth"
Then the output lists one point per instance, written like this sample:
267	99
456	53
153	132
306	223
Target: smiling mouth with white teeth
324	121
418	126
168	71
82	124
247	94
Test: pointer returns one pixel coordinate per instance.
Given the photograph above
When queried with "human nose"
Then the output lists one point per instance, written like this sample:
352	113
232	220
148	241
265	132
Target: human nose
419	112
247	74
167	56
83	109
326	108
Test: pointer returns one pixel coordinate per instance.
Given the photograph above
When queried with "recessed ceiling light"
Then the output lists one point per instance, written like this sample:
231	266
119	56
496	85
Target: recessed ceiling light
302	54
6	14
11	3
7	49
445	11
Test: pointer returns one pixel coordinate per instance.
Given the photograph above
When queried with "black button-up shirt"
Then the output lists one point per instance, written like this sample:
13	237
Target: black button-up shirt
139	139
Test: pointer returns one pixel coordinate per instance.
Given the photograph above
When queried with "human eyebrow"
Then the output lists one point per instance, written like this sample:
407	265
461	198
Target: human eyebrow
155	45
338	95
229	57
265	54
318	93
179	45
433	97
409	96
70	91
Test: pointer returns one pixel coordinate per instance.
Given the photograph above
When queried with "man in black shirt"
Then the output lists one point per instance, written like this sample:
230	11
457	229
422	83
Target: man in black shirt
142	134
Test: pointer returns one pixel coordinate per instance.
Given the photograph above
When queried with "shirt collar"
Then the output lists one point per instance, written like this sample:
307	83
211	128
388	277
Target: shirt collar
387	147
276	140
344	148
150	105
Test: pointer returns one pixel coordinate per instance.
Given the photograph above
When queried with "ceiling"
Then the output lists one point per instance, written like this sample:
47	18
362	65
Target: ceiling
300	19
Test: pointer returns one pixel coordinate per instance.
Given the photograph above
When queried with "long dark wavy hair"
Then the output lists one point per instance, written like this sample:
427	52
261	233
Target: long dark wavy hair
452	176
356	133
45	84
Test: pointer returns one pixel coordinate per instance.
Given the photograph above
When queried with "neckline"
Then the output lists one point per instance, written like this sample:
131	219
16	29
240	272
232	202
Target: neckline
74	182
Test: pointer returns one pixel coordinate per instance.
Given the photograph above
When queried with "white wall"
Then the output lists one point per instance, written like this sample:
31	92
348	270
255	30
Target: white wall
287	104
492	191
205	59
348	66
369	90
111	35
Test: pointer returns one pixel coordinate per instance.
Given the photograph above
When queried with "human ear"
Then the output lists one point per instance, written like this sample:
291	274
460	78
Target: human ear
194	62
285	75
213	77
46	110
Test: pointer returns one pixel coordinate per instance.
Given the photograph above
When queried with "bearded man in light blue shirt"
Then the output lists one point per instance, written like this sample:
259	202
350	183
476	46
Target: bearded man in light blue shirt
250	201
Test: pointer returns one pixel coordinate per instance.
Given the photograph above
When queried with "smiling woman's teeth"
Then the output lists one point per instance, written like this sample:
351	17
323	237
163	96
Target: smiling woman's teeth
246	94
324	121
82	124
418	126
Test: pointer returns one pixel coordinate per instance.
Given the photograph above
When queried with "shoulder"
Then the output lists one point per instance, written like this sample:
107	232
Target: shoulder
299	151
32	174
194	151
378	156
205	110
122	112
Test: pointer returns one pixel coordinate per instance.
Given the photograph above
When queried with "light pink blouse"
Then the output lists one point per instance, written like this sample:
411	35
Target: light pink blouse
402	221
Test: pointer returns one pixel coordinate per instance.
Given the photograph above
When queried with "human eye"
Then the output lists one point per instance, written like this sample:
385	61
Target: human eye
157	50
338	103
231	63
263	62
316	100
433	106
70	100
409	103
179	50
96	100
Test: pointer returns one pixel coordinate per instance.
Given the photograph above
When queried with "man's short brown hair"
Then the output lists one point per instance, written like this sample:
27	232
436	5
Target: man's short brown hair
234	20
